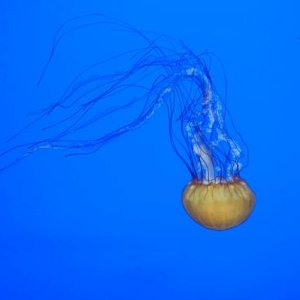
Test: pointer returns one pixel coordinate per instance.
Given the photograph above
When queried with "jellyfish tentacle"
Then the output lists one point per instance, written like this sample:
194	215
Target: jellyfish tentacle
163	71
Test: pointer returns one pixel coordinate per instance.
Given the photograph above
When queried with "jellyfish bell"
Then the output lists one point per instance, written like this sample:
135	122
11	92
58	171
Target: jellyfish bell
219	206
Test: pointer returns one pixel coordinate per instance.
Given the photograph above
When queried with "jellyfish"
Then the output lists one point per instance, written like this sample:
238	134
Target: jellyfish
97	108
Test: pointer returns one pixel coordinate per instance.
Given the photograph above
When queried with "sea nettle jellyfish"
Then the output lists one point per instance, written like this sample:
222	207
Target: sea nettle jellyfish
160	72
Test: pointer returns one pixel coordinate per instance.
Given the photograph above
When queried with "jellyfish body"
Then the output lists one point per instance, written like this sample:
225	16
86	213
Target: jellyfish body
162	72
219	206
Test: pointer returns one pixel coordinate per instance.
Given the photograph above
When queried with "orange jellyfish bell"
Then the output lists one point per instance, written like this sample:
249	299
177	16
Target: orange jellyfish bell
220	205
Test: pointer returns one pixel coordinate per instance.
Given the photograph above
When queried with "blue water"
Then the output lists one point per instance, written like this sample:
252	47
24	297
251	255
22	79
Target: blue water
111	225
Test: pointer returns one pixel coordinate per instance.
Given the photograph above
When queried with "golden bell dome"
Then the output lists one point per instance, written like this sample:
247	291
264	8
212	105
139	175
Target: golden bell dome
219	206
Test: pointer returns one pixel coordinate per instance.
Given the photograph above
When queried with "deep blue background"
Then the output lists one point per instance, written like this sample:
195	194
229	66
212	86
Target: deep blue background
111	225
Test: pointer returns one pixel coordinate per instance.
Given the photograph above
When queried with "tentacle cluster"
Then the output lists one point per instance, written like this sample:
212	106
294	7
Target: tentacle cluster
162	72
